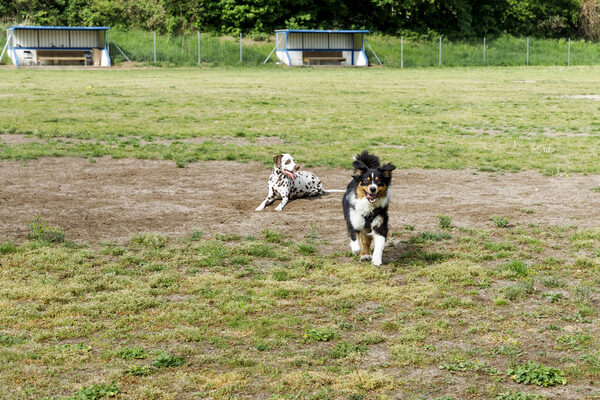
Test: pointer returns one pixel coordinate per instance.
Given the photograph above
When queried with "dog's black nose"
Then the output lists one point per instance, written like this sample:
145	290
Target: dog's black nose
372	189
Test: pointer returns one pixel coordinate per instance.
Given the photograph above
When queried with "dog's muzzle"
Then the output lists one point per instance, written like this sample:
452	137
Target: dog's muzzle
372	193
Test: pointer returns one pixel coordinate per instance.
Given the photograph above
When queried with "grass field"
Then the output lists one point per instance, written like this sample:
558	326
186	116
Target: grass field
503	312
492	119
268	317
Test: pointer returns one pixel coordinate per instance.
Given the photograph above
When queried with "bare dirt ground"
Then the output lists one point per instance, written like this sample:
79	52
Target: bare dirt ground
110	200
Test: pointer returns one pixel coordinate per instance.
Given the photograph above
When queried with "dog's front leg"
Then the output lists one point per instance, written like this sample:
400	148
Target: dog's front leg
265	203
284	201
262	205
378	248
270	198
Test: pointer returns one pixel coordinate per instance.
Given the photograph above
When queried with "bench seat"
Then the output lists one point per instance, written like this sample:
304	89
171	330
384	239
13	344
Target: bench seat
61	55
44	58
309	57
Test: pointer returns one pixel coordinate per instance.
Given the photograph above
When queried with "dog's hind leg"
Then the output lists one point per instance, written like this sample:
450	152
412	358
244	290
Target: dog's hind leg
284	201
365	246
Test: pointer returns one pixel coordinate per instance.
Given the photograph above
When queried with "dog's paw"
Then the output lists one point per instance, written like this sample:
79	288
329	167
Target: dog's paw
365	257
376	261
355	247
278	208
259	208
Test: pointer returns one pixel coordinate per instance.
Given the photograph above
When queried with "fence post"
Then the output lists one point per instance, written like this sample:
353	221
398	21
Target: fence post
440	57
155	47
527	51
198	47
401	51
569	54
484	50
240	46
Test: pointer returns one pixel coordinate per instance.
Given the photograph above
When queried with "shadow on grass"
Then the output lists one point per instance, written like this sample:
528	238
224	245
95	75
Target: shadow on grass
405	254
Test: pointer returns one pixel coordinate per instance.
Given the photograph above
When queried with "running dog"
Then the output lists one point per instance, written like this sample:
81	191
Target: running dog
366	204
286	183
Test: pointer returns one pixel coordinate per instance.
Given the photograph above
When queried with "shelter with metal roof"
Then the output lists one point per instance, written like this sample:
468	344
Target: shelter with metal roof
321	47
57	45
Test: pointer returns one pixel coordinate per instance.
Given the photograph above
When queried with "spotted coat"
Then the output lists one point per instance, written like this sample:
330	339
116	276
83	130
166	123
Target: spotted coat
285	187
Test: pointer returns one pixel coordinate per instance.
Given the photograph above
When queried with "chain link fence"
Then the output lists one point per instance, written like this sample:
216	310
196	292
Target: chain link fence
188	49
5	58
503	51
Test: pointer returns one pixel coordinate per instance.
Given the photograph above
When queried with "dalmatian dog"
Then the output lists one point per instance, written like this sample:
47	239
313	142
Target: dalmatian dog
287	183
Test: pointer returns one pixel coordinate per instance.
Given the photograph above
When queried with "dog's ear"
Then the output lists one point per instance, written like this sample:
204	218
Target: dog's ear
359	168
277	160
387	169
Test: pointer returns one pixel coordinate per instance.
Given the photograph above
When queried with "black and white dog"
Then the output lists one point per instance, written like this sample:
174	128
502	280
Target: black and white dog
366	204
287	183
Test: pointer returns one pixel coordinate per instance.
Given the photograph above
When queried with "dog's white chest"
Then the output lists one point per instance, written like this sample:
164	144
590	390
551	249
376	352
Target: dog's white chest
361	209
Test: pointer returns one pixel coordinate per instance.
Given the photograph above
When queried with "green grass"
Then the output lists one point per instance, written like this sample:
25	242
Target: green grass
221	318
482	118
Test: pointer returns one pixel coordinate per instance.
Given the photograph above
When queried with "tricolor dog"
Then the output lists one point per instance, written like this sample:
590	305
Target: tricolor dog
287	183
366	204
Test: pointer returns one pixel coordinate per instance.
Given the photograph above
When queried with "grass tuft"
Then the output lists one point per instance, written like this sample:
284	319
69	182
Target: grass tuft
40	230
534	373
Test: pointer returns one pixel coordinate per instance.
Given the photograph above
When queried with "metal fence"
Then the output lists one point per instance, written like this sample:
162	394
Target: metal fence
203	48
503	51
5	58
189	49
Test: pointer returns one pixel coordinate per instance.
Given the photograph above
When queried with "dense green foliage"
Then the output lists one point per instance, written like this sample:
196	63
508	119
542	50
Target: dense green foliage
452	18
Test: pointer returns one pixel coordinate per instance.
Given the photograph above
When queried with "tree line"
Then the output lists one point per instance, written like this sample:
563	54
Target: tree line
455	19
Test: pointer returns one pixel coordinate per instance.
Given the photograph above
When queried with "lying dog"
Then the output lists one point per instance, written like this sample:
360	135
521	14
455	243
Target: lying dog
286	183
365	206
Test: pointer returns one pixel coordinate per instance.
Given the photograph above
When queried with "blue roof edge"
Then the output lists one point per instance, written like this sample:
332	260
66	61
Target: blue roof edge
324	30
70	28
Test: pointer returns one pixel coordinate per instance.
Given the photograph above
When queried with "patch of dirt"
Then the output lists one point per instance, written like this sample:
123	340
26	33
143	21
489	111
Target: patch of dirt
585	96
18	138
112	199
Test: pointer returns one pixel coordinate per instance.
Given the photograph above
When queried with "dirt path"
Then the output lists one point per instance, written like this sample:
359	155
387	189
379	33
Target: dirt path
110	200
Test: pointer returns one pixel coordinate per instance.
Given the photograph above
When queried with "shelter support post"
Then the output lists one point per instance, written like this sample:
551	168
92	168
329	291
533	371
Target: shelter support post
270	54
370	48
121	51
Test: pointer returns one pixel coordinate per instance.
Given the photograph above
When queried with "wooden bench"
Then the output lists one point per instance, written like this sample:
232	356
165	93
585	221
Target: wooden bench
61	55
331	56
